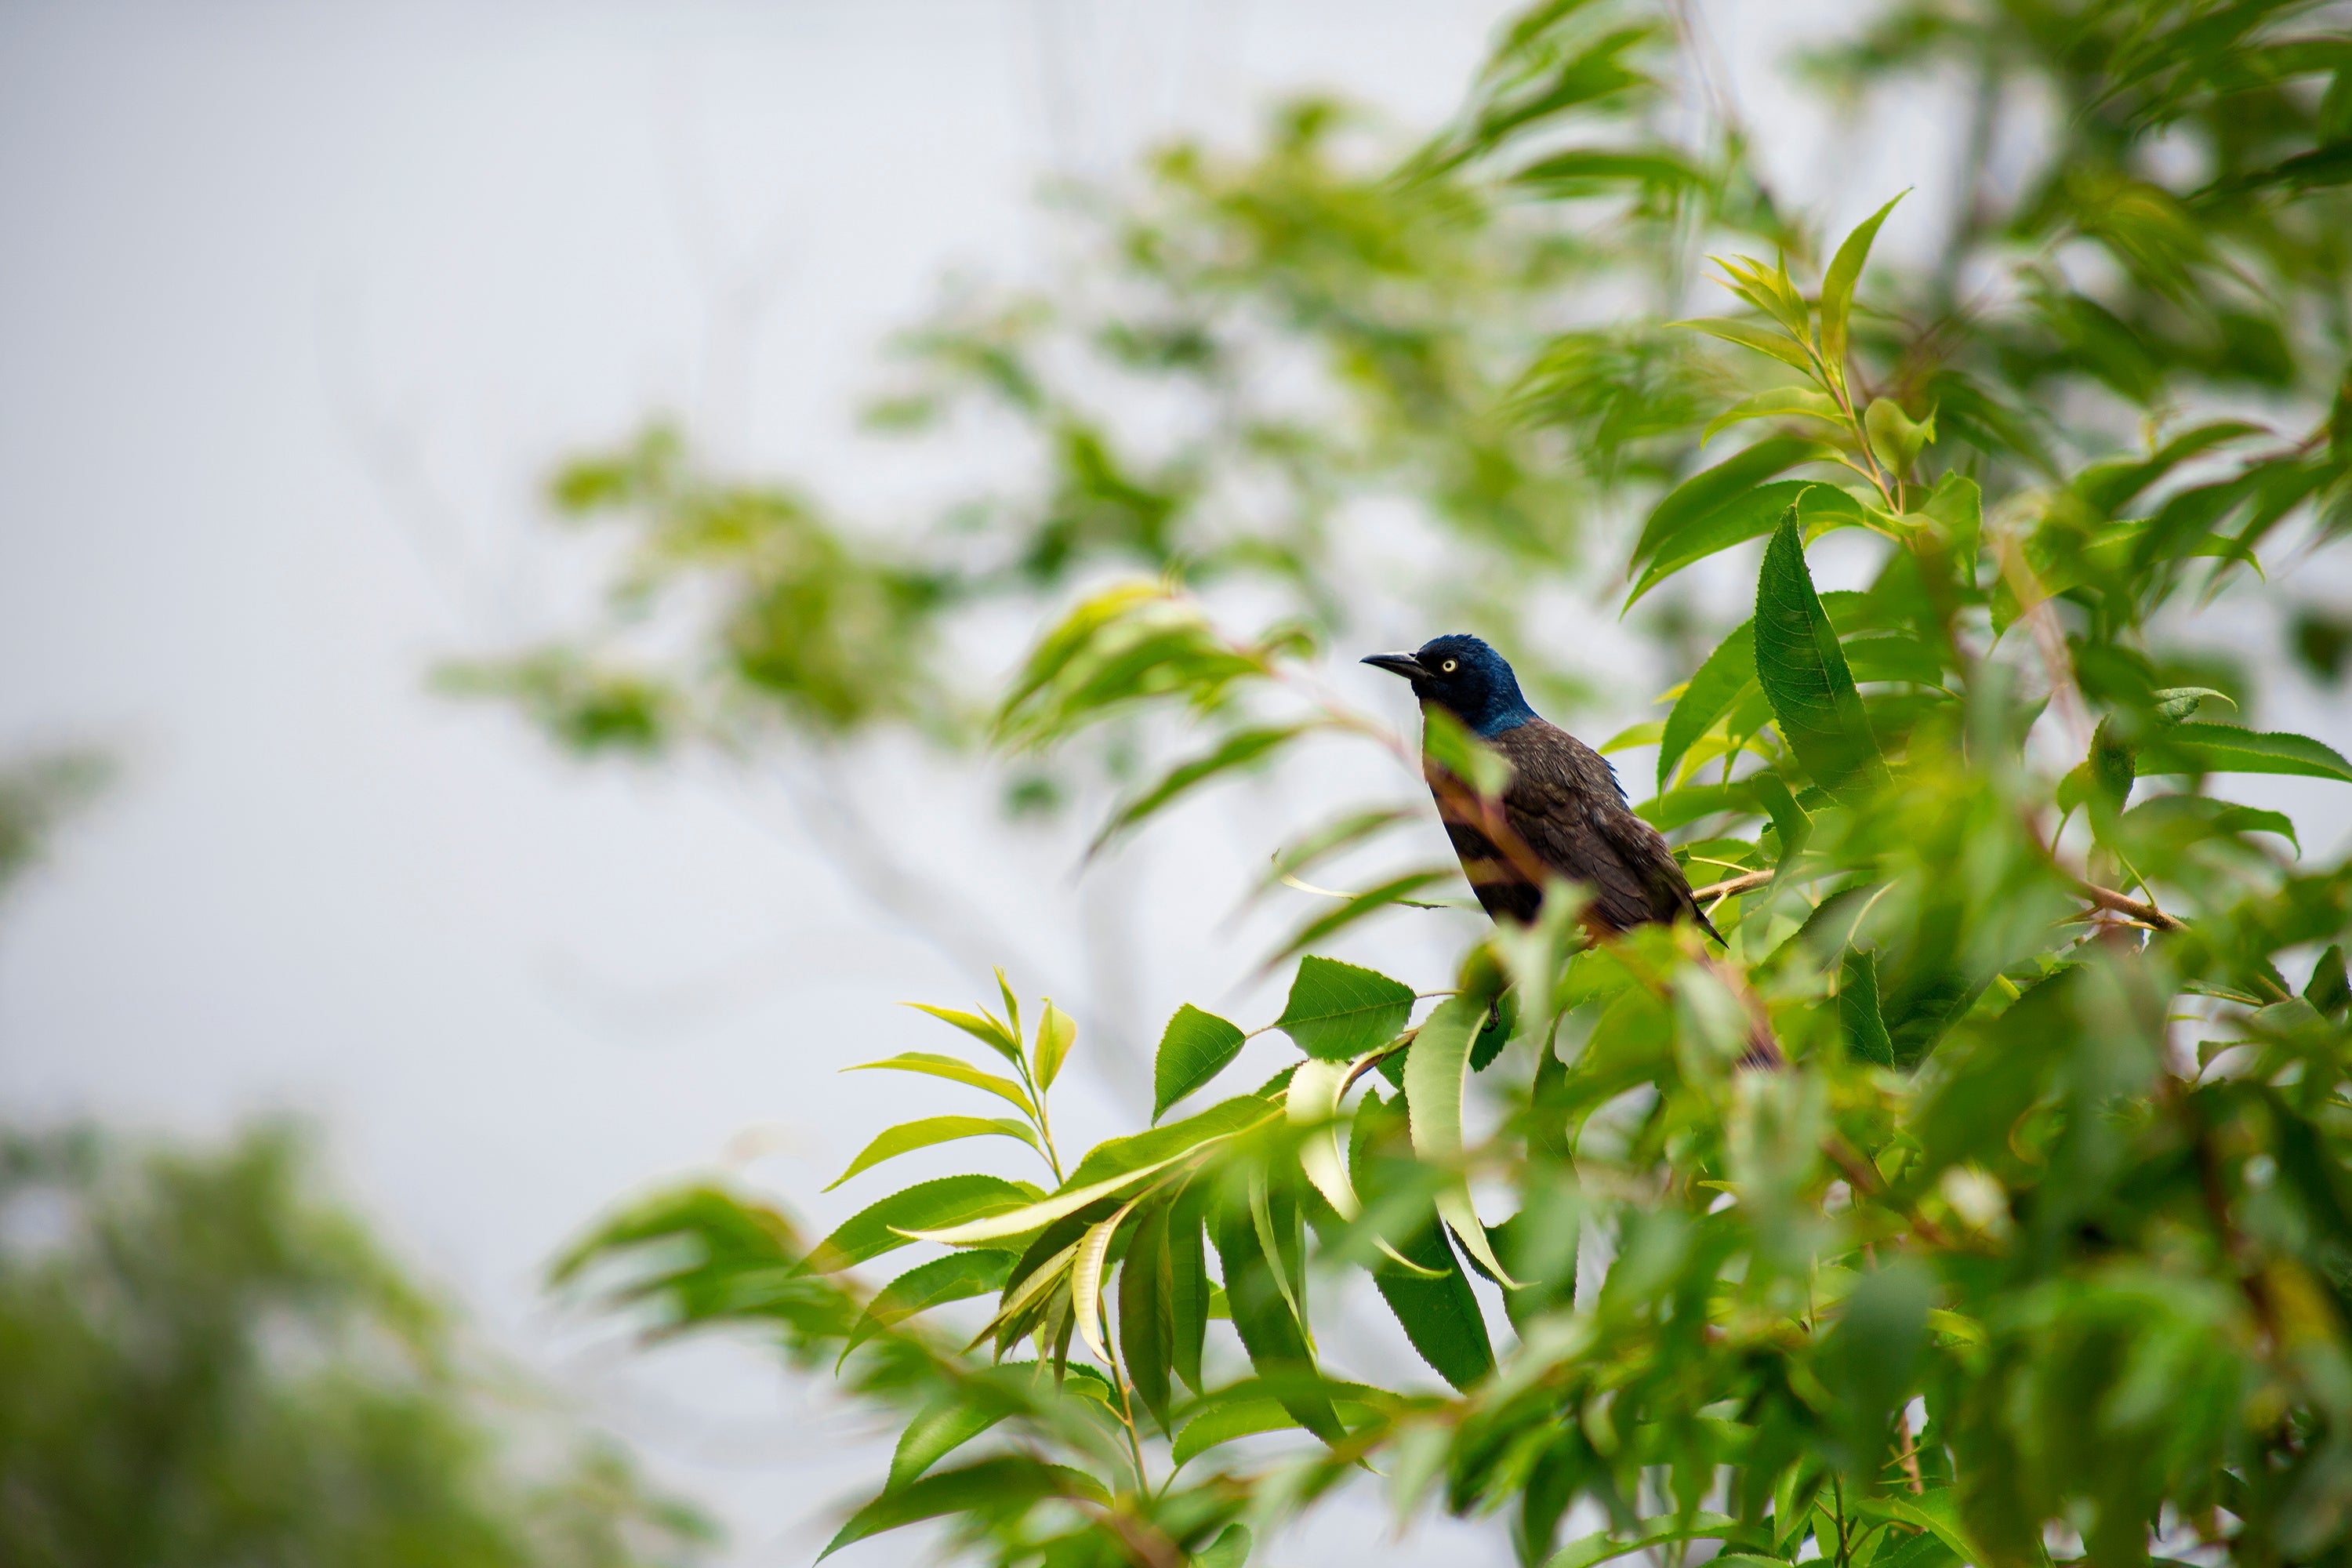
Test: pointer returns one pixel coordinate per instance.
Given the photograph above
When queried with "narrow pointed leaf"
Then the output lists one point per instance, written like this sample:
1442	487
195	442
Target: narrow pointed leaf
1002	1488
884	1226
1147	1327
958	1276
1780	403
908	1136
2227	749
1269	1330
1087	1280
1712	691
1436	1069
955	1070
1838	285
937	1430
1236	751
1803	671
1748	335
988	1031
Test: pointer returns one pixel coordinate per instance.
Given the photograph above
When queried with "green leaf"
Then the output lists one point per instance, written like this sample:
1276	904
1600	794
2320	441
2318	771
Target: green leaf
1895	437
1087	1279
1689	505
953	1069
958	1276
1446	742
1385	895
908	1136
1055	1035
1858	1011
1337	1011
1803	671
1748	335
1230	1549
1109	1167
1436	1069
980	1026
2194	748
1869	1359
1820	509
1727	672
1257	1294
1002	1488
938	1430
1440	1316
881	1228
1838	285
1114	1155
2329	989
1147	1311
1236	751
1779	403
1223	1422
1649	1532
1194	1048
1188	1292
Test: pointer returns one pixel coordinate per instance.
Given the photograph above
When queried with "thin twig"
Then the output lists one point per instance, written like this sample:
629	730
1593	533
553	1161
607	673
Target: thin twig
2124	904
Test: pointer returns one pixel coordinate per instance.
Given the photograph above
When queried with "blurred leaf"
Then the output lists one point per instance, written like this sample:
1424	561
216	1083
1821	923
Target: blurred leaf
1894	435
1779	403
1236	751
908	1136
935	1431
1005	1487
1650	1532
1858	1011
1337	1011
1194	1049
1727	672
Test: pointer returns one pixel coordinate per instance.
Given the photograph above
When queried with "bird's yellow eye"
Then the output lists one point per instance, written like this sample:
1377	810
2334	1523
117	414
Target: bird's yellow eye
1448	667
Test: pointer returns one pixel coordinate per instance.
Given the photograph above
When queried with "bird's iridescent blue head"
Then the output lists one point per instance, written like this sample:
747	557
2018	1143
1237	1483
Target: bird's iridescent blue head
1464	677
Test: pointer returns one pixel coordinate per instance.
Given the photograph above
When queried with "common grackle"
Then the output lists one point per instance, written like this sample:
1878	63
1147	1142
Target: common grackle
1563	806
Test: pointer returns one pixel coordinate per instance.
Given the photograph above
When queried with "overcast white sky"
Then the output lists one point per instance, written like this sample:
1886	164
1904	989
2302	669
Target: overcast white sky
297	304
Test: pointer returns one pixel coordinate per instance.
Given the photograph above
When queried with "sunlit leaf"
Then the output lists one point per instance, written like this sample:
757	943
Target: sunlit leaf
1056	1032
883	1227
1838	284
1436	1072
908	1136
1005	1042
1779	403
955	1070
1194	1048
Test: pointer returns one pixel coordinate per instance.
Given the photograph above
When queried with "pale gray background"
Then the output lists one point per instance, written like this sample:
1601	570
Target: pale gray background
298	303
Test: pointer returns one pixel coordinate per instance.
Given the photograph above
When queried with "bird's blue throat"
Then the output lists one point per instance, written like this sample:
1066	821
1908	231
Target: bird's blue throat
1503	712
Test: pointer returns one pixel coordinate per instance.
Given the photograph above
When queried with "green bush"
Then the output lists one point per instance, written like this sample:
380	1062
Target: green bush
2032	1245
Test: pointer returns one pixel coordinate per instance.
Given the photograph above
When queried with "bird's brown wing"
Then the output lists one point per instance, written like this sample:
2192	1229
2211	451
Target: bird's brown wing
1564	802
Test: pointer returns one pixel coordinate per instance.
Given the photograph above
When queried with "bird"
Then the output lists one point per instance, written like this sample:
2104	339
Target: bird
1563	805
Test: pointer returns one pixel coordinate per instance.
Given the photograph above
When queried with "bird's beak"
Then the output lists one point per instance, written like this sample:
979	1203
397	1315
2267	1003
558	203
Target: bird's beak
1403	664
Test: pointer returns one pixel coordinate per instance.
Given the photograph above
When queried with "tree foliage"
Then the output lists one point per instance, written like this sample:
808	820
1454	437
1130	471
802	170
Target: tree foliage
203	1364
2027	1241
